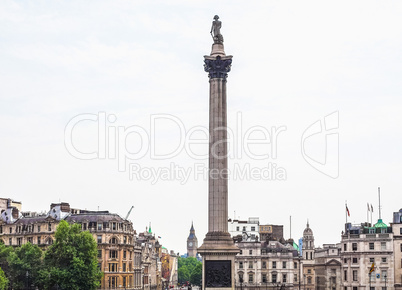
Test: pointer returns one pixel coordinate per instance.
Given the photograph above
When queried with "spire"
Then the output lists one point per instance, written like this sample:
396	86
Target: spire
192	227
308	225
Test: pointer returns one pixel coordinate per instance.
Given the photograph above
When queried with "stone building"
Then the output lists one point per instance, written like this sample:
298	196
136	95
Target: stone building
397	232
119	254
328	267
361	246
271	233
267	265
308	258
116	248
247	228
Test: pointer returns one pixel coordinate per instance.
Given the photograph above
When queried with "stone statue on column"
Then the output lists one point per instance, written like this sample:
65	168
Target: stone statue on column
216	30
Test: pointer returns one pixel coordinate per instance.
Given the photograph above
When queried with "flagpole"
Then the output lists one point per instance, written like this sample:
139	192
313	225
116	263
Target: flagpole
346	210
368	208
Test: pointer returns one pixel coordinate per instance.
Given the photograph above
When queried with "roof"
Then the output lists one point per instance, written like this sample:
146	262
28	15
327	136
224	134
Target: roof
94	217
380	224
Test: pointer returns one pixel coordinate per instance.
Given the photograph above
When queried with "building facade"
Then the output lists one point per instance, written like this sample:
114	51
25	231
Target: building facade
363	246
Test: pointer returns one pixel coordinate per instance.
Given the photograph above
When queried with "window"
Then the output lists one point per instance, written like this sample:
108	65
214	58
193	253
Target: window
30	240
283	265
401	245
309	280
124	267
99	226
113	226
49	227
295	277
39	242
113	254
371	260
113	241
383	246
99	254
400	229
38	229
250	265
253	229
99	239
273	277
345	275
112	267
264	278
124	254
250	252
354	246
309	271
240	265
84	226
273	265
333	271
241	277
354	260
19	241
344	247
11	230
383	259
295	265
124	281
244	229
371	246
250	278
264	264
345	260
284	278
241	252
354	275
371	231
10	241
237	229
383	275
125	240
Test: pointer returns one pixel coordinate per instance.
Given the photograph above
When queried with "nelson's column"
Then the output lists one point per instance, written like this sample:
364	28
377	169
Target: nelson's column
218	250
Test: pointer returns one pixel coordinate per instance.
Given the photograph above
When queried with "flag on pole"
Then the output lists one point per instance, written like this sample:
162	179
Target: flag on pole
372	210
347	210
368	207
372	268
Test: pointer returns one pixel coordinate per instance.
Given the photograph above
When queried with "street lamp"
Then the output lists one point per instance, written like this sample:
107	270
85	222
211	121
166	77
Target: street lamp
385	278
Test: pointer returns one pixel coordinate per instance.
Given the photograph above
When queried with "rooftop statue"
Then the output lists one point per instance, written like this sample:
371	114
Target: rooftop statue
216	30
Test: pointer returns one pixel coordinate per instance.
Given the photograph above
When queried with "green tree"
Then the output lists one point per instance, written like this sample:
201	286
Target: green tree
196	275
3	280
186	268
24	262
71	262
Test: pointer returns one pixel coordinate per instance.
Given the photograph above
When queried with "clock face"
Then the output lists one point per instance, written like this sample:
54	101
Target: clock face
190	244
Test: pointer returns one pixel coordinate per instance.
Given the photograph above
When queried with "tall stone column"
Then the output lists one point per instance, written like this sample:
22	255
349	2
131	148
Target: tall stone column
218	250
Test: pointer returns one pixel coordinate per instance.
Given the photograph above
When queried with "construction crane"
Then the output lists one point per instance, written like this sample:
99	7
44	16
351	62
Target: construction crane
128	214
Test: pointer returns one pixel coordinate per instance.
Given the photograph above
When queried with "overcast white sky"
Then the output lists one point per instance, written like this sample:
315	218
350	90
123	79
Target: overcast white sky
294	62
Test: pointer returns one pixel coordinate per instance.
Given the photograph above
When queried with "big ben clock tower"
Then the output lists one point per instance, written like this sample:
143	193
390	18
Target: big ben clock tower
192	243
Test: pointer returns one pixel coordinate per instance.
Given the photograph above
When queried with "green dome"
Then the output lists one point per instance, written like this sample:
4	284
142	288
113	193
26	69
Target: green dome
380	224
295	246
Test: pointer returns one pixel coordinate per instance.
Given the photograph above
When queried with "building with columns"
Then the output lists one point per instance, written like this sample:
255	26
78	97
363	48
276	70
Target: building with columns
362	246
397	244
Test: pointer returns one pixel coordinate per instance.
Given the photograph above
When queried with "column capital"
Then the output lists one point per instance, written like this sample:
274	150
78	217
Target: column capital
217	67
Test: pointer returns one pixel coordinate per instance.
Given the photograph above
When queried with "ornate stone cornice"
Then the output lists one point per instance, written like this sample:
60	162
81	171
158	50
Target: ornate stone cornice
217	67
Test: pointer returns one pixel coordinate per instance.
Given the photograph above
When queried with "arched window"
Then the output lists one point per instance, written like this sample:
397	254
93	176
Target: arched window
113	241
49	241
308	280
